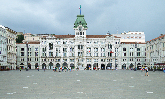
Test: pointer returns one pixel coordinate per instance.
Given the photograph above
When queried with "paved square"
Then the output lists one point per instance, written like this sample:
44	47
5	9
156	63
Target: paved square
103	84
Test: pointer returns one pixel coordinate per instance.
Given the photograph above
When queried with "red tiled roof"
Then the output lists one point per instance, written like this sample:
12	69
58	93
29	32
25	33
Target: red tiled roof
64	36
30	43
96	36
157	38
132	43
87	36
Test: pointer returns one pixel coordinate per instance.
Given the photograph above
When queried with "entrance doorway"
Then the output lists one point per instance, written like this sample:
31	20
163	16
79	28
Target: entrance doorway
95	65
36	65
124	66
131	66
50	65
102	67
43	66
29	65
72	66
88	66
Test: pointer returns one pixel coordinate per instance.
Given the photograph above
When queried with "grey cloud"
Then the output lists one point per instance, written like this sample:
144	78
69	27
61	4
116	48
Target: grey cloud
58	17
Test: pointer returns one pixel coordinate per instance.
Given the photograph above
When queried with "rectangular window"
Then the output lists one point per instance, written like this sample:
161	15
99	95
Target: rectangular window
138	49
64	54
138	53
50	46
64	42
58	42
65	49
22	53
124	54
50	53
22	49
36	49
36	53
124	49
102	60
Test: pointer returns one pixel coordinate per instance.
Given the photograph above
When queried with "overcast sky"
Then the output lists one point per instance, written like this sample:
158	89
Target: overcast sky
58	16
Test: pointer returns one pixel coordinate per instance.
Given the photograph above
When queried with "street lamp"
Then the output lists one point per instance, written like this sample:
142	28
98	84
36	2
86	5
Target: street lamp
115	59
135	56
27	54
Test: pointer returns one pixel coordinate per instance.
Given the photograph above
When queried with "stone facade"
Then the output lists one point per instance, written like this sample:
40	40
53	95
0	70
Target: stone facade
3	47
109	51
28	55
11	48
156	52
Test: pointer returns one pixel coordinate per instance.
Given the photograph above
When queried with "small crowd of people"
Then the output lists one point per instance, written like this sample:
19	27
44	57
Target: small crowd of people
64	68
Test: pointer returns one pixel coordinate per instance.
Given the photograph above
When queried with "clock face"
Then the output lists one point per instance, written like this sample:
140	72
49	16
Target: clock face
80	28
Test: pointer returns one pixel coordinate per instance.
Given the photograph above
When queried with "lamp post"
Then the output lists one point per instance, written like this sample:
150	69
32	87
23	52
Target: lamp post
135	56
115	59
27	54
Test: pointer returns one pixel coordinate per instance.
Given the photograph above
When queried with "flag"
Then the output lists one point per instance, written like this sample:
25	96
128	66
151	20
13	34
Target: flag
80	7
111	52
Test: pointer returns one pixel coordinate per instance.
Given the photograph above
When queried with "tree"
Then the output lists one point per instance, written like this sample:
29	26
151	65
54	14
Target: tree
19	38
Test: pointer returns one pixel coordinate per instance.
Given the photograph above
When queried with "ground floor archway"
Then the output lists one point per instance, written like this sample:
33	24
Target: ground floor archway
131	66
57	65
102	67
36	65
139	66
21	65
50	65
88	67
95	65
124	66
109	66
29	65
43	66
65	64
72	66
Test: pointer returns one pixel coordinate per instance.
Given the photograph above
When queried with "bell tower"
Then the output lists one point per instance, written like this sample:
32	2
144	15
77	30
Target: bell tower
80	26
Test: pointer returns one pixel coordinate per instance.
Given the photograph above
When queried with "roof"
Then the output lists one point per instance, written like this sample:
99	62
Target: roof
87	36
96	36
30	43
132	43
157	38
64	36
80	21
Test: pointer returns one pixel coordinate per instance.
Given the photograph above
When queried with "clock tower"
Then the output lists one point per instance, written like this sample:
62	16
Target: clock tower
80	26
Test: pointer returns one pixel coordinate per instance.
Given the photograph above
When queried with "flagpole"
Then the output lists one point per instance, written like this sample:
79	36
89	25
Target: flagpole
80	9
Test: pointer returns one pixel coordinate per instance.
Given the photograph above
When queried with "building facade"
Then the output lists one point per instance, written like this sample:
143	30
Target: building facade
109	51
7	48
11	48
28	55
89	51
156	52
3	47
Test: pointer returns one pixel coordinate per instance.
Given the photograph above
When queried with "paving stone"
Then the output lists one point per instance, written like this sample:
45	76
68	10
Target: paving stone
103	84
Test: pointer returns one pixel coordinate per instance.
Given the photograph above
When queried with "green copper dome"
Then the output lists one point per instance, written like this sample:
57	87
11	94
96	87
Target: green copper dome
80	21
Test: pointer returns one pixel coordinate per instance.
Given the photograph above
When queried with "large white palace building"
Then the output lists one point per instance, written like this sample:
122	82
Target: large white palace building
125	50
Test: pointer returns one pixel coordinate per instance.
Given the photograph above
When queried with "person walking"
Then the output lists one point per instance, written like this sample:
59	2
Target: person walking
146	68
38	68
44	68
59	69
65	68
53	68
20	69
70	68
